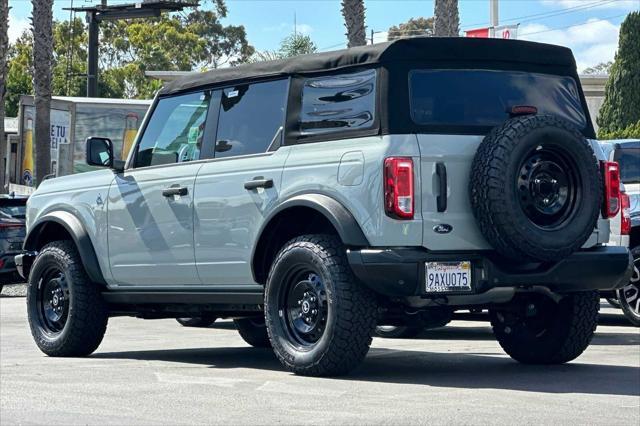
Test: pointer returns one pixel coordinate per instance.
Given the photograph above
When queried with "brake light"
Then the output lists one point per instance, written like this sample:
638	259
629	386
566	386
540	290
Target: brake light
611	172
398	187
5	225
625	217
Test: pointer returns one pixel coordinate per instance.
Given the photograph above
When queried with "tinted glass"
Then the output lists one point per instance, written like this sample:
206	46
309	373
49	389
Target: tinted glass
174	133
482	97
13	211
629	160
338	103
250	117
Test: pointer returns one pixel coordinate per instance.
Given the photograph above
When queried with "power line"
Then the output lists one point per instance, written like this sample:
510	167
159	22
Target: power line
591	21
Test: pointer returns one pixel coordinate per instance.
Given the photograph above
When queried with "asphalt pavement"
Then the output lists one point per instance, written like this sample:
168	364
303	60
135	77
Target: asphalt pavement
152	372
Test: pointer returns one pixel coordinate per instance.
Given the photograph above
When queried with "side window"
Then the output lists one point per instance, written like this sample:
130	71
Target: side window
338	103
250	117
174	132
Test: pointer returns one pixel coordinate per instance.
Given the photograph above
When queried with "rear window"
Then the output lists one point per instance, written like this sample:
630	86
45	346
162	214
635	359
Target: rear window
482	97
629	160
16	212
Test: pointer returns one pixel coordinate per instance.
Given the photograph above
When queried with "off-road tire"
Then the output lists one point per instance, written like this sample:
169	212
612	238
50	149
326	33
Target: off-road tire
495	196
87	314
631	309
571	324
351	307
204	321
253	331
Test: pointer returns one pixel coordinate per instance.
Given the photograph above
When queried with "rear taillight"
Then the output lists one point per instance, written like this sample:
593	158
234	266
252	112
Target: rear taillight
611	172
625	217
398	187
4	225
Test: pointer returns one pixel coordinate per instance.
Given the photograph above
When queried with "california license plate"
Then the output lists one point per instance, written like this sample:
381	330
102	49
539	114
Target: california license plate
444	277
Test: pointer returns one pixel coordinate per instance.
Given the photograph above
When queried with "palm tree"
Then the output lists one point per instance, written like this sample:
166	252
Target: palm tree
42	26
447	21
4	47
353	12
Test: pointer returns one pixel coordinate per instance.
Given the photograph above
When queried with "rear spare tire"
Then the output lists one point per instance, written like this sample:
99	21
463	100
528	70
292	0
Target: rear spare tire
536	189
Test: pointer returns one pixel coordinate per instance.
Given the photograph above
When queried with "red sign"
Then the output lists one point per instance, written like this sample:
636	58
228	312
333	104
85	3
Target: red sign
479	33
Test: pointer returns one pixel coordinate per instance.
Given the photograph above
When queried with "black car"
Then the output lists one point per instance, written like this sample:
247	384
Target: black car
12	232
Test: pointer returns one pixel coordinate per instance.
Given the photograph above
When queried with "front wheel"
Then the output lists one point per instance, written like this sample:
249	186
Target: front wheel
319	317
204	321
253	331
66	312
629	295
536	329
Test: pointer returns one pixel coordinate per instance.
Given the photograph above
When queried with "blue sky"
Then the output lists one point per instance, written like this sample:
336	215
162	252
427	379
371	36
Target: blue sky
589	27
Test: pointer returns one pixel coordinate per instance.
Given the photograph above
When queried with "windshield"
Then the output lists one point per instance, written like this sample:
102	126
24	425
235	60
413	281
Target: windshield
16	212
482	97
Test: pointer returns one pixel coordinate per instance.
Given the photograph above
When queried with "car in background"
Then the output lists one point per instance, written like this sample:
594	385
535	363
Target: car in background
625	228
12	232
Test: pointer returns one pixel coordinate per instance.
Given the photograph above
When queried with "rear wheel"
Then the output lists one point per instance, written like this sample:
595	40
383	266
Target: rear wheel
613	301
319	318
66	312
629	295
535	329
253	331
204	321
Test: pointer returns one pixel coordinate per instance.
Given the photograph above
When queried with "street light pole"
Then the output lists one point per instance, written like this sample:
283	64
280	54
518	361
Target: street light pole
493	15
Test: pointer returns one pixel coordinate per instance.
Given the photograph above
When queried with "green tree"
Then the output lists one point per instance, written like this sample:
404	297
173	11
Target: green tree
353	13
601	68
293	45
621	107
4	54
19	71
446	18
414	27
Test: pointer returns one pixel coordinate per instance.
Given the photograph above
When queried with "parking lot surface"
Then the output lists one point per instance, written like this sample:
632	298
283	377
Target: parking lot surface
157	372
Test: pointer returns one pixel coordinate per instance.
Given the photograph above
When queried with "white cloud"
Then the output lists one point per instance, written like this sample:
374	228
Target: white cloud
594	42
283	27
595	4
16	27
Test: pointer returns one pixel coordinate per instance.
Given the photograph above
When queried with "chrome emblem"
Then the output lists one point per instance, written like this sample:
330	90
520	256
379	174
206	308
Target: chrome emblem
443	228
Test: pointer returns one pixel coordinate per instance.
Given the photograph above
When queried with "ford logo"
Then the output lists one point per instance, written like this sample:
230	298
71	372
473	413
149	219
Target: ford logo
443	228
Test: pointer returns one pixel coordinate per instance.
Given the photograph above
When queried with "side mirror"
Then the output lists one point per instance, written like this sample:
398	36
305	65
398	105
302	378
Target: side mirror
100	153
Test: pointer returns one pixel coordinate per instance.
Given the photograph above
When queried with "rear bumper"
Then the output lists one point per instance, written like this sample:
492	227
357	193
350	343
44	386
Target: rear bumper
400	272
7	263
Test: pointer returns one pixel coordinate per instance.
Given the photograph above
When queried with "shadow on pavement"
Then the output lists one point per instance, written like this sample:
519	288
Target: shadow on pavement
450	370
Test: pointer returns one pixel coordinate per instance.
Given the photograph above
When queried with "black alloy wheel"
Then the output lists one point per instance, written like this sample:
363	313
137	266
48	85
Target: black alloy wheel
548	187
305	298
53	300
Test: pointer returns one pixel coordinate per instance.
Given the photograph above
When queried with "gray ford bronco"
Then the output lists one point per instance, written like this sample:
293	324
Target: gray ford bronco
311	199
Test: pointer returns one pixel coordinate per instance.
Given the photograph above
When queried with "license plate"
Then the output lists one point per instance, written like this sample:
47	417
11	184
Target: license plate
444	277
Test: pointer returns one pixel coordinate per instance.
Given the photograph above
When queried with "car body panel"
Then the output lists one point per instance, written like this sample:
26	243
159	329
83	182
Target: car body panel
228	217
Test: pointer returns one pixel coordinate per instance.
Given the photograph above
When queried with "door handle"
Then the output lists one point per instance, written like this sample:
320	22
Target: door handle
175	190
441	200
258	183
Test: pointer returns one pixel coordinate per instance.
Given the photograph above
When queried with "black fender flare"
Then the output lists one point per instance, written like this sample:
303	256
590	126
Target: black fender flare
79	235
337	214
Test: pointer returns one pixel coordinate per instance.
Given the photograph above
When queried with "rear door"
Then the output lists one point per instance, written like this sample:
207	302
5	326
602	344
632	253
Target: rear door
242	181
150	209
457	108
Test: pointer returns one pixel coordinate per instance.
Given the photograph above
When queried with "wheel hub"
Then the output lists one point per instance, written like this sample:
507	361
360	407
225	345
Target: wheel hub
547	188
306	308
53	300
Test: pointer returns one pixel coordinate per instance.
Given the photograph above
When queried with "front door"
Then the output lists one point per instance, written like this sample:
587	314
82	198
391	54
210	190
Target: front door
150	213
236	188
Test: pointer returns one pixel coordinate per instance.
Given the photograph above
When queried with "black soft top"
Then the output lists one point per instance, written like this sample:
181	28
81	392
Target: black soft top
464	52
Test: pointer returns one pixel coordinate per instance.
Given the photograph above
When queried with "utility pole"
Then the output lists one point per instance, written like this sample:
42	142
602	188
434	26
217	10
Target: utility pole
493	15
103	12
372	32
